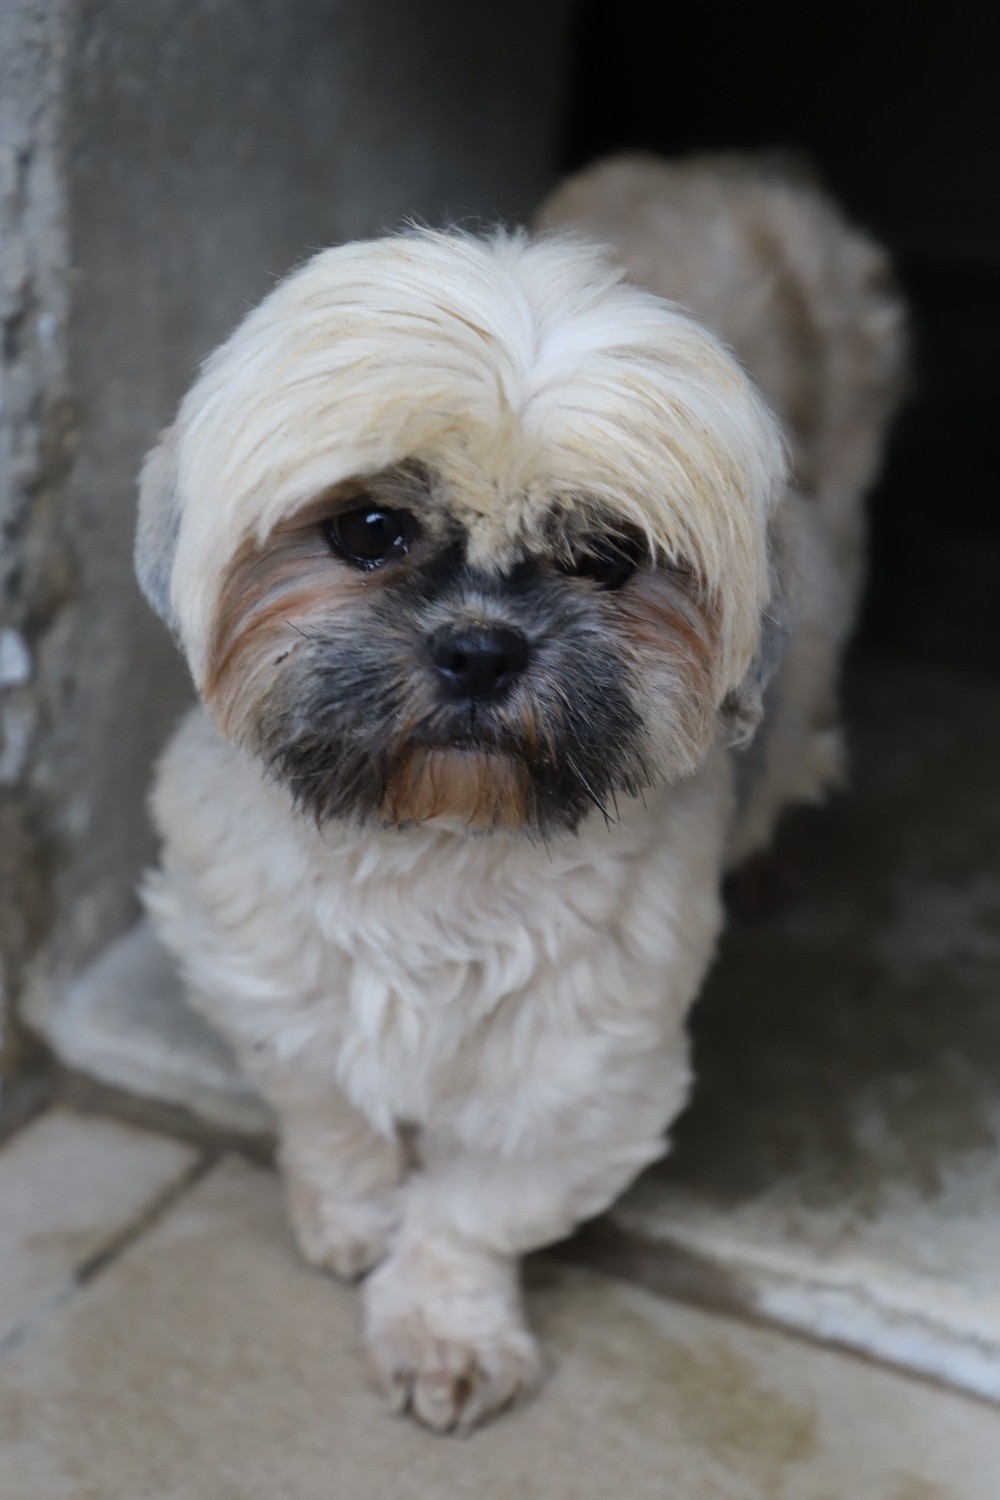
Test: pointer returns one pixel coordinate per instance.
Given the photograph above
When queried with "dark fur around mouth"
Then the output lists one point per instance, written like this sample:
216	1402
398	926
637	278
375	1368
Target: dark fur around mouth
359	694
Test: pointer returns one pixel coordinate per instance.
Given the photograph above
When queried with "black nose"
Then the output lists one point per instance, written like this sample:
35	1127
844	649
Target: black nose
479	661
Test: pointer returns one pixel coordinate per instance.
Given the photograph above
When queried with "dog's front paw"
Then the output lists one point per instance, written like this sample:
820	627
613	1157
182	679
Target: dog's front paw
345	1236
446	1337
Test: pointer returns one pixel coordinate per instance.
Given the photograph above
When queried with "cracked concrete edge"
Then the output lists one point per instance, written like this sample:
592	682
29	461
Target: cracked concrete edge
899	1320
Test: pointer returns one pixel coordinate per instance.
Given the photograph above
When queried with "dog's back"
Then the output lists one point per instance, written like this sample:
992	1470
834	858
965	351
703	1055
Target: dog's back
756	251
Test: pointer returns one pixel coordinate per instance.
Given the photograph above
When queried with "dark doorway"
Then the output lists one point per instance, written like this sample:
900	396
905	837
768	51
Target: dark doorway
896	110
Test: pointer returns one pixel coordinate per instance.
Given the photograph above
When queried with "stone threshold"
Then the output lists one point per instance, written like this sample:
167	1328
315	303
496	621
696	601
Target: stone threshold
123	1021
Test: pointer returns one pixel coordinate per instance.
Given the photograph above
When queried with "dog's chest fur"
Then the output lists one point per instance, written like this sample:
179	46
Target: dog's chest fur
431	974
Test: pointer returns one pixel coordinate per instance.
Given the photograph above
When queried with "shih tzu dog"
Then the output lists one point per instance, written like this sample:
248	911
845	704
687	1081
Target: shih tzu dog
487	560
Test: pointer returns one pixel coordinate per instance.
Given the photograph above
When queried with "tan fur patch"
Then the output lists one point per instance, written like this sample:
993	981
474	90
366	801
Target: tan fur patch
667	625
484	791
275	593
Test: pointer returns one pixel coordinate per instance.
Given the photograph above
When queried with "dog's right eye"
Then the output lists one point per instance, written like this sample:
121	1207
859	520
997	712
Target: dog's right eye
371	536
608	561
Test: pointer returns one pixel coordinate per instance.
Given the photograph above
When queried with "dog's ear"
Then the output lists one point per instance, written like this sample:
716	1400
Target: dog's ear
158	526
743	708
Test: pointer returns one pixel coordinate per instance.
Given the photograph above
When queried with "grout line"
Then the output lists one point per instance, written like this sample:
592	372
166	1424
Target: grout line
147	1218
89	1096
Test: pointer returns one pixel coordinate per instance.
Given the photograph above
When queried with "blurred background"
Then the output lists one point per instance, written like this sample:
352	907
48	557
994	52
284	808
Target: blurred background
900	120
160	166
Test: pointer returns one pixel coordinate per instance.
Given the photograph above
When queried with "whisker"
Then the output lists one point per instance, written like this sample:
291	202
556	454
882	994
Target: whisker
588	789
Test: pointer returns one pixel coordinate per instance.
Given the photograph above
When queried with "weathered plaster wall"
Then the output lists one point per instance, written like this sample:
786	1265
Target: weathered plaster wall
168	162
36	427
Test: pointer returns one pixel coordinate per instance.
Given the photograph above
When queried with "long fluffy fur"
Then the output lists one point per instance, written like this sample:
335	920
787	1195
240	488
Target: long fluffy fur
807	303
522	371
472	1043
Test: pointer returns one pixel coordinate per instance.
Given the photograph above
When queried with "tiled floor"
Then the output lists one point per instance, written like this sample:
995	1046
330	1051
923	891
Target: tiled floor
167	1344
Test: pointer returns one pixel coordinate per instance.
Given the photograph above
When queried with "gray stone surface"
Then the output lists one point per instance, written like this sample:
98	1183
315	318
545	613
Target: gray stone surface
123	1020
36	422
70	1187
839	1169
207	1361
159	166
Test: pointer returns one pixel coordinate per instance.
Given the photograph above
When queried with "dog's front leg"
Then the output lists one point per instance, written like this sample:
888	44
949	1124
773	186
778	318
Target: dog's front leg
341	1182
444	1324
341	1176
445	1329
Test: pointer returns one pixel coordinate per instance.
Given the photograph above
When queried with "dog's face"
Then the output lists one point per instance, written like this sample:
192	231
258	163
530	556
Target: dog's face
385	674
465	530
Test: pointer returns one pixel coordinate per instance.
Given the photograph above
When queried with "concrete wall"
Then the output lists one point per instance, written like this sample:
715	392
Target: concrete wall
162	163
36	424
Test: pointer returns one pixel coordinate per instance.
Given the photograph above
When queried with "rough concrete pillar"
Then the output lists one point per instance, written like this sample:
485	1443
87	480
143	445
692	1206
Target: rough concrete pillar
36	423
160	164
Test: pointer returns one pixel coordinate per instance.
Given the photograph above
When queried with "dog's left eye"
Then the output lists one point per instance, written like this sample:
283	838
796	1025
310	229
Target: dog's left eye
371	536
609	561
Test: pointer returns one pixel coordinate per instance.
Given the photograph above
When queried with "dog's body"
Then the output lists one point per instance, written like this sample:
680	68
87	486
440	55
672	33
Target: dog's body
473	1039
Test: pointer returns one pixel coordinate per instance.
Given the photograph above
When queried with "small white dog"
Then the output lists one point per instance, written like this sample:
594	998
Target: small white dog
482	557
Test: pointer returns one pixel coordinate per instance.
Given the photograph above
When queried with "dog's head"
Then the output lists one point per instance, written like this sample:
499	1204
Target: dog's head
467	528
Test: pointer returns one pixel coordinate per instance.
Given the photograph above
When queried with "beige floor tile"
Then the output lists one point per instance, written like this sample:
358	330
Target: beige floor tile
206	1363
70	1185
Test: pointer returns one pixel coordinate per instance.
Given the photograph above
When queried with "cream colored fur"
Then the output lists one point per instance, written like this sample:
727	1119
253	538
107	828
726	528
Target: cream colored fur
474	1043
806	304
523	1008
523	372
